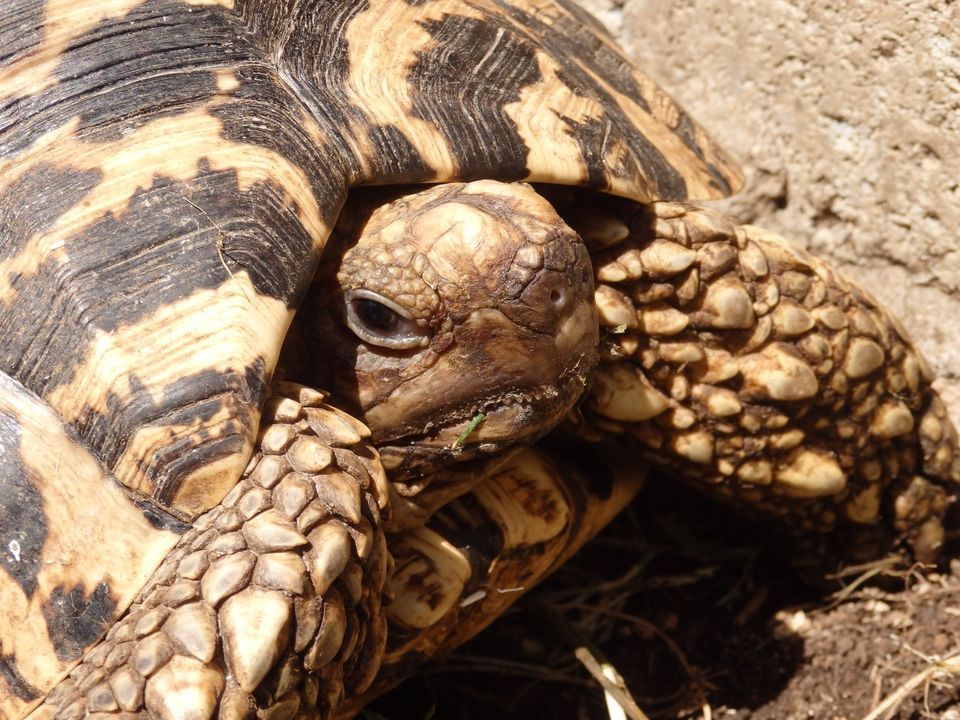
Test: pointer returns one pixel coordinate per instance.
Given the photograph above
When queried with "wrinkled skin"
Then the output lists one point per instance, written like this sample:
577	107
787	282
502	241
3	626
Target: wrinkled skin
462	300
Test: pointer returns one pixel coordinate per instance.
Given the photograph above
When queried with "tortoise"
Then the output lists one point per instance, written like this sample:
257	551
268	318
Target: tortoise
171	170
444	591
150	195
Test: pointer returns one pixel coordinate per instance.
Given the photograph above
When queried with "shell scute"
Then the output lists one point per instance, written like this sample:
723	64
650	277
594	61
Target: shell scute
164	310
510	90
74	551
501	65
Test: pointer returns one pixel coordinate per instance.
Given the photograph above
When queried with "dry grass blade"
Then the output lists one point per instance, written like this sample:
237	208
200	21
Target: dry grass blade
650	629
614	686
949	665
619	700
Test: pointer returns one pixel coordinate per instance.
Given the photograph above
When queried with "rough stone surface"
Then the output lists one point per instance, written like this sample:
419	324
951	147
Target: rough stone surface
846	117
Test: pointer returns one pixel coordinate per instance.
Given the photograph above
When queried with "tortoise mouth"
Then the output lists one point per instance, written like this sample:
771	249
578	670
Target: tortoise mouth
485	427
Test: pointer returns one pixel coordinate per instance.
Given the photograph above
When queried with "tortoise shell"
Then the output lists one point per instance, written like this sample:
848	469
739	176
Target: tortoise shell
169	173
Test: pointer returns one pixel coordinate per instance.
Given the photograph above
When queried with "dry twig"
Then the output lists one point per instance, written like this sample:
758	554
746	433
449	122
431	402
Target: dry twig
948	665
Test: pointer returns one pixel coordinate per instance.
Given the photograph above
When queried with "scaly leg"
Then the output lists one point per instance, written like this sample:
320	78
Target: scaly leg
270	606
271	602
758	372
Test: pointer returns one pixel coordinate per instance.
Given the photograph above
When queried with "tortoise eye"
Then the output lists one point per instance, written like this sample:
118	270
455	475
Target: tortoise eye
375	315
377	320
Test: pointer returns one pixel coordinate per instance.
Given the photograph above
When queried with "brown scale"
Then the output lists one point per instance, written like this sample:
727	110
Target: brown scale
757	371
270	605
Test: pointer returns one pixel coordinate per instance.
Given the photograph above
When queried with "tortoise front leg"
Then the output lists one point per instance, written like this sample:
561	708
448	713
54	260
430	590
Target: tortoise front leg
764	376
271	601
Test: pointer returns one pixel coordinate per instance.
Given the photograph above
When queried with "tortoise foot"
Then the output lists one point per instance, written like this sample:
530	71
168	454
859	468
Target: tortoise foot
271	604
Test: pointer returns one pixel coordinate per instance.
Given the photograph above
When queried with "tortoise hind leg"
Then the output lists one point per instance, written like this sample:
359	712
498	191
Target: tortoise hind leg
271	600
764	376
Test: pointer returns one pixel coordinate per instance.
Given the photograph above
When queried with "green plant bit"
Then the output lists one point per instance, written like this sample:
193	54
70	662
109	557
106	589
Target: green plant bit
468	431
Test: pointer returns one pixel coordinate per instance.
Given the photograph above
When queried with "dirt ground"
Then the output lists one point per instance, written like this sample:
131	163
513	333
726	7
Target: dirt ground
847	119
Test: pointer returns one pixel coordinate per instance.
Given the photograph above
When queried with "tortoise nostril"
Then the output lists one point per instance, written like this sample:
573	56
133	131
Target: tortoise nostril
557	297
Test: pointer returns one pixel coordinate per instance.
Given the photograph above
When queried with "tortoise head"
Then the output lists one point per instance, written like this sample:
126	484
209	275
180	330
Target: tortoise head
462	321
